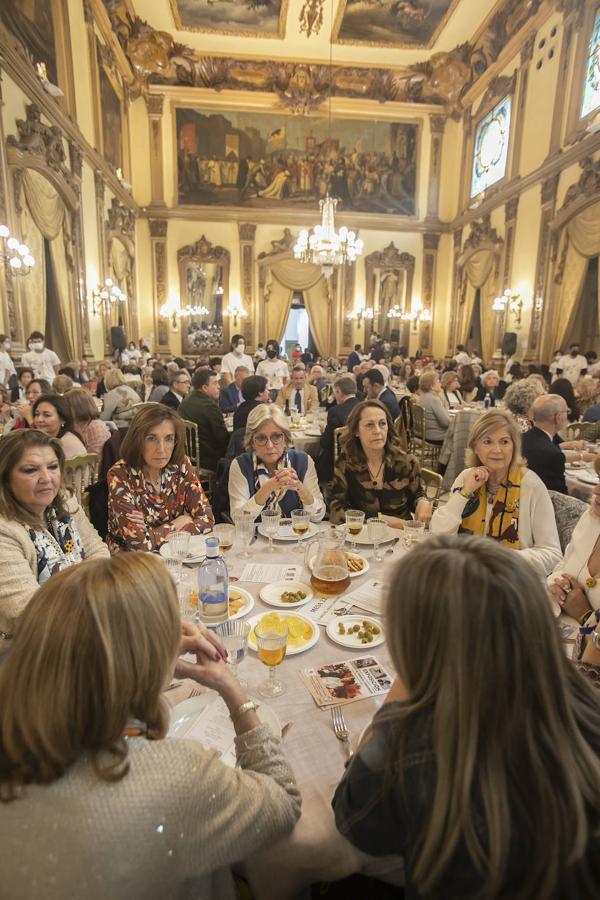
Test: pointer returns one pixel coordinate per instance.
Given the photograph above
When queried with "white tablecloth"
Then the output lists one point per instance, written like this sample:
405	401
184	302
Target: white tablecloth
308	443
315	850
577	488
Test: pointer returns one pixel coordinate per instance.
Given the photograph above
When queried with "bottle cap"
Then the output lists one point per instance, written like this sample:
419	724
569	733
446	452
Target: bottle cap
212	546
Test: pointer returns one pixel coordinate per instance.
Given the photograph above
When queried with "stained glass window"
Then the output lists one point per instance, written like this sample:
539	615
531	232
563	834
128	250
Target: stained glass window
491	147
591	90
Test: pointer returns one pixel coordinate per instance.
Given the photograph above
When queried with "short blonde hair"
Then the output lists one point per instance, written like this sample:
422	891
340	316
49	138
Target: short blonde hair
266	412
427	380
487	423
113	378
447	378
97	643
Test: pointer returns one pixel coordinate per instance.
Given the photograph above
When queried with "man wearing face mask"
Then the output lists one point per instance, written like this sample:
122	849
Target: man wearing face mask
237	357
7	367
572	365
272	368
44	362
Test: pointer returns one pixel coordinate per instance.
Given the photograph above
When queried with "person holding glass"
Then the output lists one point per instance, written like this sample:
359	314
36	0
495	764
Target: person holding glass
154	490
94	652
270	474
498	496
373	473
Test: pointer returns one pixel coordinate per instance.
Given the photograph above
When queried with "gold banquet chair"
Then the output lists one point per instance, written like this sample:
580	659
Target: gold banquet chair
338	435
583	431
192	449
427	454
80	472
431	483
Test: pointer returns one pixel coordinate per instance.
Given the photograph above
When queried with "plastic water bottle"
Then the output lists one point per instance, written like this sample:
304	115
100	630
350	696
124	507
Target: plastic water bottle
213	586
487	402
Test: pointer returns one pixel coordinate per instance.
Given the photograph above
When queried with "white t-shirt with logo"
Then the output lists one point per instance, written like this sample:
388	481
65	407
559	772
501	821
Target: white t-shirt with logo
571	367
7	367
231	361
42	363
274	370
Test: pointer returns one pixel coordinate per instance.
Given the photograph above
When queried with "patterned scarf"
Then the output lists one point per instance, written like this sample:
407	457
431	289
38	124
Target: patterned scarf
57	546
261	474
504	519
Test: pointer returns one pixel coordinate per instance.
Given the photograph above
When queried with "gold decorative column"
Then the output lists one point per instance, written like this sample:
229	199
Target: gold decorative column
158	240
456	290
250	325
436	125
430	251
154	105
7	295
82	338
539	310
102	261
510	222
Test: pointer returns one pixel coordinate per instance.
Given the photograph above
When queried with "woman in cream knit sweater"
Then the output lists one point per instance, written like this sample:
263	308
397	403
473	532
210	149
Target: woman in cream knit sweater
113	808
41	531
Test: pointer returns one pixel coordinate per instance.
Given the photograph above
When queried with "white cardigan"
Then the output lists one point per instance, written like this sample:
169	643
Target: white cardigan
583	540
538	535
240	499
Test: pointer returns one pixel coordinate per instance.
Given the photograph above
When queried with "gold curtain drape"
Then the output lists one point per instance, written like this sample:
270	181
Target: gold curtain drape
291	275
49	215
318	304
479	270
33	287
277	304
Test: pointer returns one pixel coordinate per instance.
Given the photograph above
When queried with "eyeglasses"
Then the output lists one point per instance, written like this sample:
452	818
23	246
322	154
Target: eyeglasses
261	440
375	426
184	381
155	440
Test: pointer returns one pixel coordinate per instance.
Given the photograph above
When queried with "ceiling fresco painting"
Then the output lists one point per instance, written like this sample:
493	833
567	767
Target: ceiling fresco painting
398	23
255	18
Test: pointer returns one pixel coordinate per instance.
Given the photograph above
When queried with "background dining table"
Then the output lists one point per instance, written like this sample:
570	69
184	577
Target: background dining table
315	850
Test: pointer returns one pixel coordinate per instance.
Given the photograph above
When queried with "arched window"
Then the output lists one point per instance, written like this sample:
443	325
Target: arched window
490	154
591	88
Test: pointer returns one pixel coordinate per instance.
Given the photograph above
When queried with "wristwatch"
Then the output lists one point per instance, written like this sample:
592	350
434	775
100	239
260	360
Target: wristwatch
244	708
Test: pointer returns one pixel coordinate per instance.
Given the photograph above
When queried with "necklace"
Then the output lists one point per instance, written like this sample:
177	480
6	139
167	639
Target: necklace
375	477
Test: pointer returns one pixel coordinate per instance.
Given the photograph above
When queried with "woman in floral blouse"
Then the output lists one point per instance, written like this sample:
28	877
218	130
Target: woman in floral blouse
154	489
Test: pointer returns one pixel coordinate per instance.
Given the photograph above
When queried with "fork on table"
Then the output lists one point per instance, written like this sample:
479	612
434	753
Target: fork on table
340	729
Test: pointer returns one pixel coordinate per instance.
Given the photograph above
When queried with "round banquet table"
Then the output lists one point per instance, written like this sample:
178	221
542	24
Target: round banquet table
315	850
308	443
580	489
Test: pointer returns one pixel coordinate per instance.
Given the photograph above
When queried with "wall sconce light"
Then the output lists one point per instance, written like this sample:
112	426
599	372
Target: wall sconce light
512	301
15	254
361	314
104	295
52	89
235	311
395	312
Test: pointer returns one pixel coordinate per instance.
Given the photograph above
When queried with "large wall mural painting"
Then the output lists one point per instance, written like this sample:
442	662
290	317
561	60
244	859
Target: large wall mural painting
31	22
398	23
257	18
261	160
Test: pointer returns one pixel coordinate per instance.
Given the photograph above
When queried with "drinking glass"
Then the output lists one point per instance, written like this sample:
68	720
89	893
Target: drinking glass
234	634
412	533
270	519
179	545
174	568
225	533
295	417
377	529
271	642
355	519
244	526
300	525
187	595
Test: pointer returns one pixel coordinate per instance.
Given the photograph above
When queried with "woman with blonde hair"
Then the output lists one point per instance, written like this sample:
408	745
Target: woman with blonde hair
154	489
450	396
500	497
482	768
121	401
86	420
373	473
84	745
271	473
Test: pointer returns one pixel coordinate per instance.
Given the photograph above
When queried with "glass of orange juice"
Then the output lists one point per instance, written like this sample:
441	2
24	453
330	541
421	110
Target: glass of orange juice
271	641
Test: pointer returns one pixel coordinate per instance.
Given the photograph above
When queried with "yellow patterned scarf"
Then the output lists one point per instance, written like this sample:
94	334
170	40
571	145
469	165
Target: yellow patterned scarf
504	519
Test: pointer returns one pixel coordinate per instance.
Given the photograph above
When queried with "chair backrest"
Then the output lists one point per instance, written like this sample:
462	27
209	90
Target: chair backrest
432	485
192	442
407	404
567	512
418	422
338	434
80	471
583	431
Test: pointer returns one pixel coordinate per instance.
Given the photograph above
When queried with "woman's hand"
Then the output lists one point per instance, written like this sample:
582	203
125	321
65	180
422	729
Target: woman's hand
181	521
210	656
423	510
570	595
474	478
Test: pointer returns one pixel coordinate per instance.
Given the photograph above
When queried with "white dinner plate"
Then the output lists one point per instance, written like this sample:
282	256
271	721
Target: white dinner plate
363	536
291	651
185	714
352	574
196	552
271	593
240	593
353	640
312	432
588	478
285	532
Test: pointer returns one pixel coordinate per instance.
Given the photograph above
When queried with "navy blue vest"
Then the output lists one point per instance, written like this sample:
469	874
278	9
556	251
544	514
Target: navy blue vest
290	500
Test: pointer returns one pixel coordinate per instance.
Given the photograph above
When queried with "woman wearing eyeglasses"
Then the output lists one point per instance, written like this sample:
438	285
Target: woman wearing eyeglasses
373	472
270	473
154	488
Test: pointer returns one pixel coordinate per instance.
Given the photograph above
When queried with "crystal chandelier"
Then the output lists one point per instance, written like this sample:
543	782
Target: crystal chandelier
325	247
106	294
14	253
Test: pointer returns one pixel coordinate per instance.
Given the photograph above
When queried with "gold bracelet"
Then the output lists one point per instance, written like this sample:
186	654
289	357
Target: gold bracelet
582	618
464	494
244	708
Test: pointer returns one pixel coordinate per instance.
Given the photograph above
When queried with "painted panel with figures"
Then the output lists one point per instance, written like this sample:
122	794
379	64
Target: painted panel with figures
398	23
256	18
264	160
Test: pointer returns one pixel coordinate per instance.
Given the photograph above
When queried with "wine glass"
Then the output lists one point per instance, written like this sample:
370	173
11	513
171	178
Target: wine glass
271	641
300	525
377	529
225	533
412	533
270	520
244	526
355	519
234	634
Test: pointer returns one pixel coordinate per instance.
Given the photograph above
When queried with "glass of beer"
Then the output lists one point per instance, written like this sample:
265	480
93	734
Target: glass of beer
271	640
225	533
355	519
300	525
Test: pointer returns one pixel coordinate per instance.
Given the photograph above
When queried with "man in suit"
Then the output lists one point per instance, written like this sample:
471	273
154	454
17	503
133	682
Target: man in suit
202	407
231	396
297	394
344	392
179	386
374	387
543	448
254	392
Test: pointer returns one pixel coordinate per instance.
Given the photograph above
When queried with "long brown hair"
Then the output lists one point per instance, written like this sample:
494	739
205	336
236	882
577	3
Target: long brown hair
146	418
351	444
94	648
12	447
473	639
